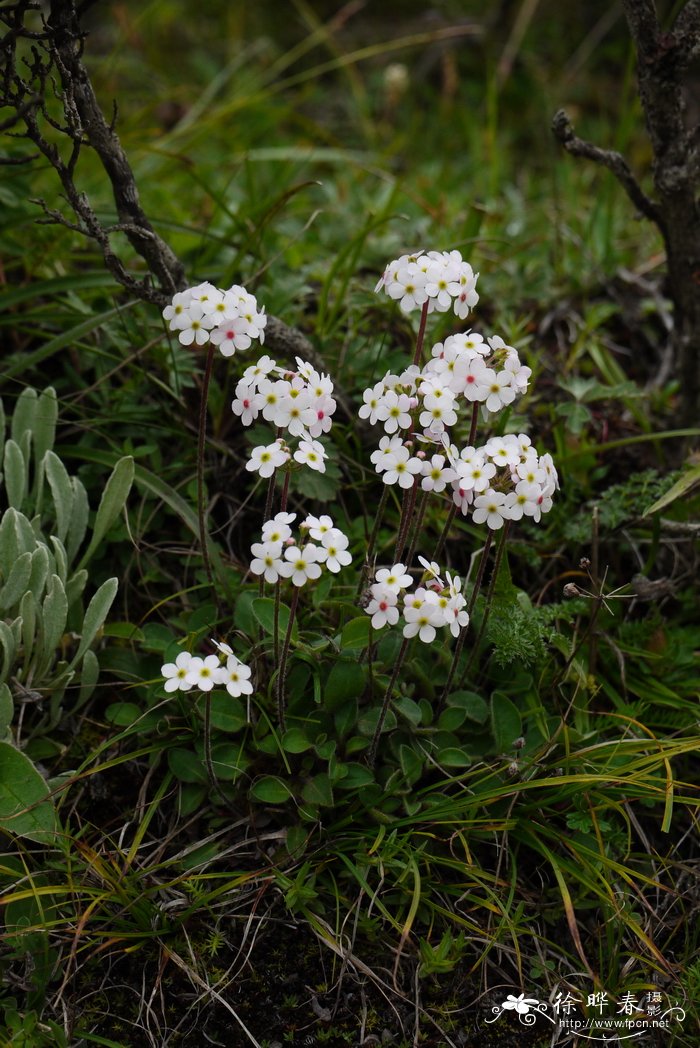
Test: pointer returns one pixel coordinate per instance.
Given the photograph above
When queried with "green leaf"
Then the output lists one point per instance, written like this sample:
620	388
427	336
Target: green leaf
15	586
506	723
682	486
78	520
296	839
476	708
39	572
54	612
346	682
24	413
26	809
61	491
358	775
186	766
411	764
44	427
227	712
451	718
355	633
6	709
122	714
16	538
15	469
452	757
295	741
191	796
367	723
345	717
112	503
270	790
319	791
228	760
409	709
89	675
264	611
96	613
8	646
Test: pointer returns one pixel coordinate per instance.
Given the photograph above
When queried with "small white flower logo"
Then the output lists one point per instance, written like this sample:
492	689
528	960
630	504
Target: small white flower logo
520	1004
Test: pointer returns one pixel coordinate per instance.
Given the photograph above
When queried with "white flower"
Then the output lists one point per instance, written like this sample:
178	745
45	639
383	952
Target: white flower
401	468
301	564
435	474
266	459
311	453
278	529
247	403
176	312
333	550
395	578
271	393
475	475
505	451
408	285
432	568
372	398
388	446
261	369
236	677
223	648
194	326
490	508
268	560
175	673
383	607
230	336
204	673
393	411
438	416
422	621
317	527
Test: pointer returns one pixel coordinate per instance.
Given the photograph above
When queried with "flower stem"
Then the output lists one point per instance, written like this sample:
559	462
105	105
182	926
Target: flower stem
417	529
372	755
203	537
500	550
285	491
409	503
475	420
372	541
208	762
421	333
276	626
282	672
470	607
445	532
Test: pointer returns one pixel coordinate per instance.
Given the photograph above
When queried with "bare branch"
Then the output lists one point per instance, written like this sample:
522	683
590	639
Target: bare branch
564	131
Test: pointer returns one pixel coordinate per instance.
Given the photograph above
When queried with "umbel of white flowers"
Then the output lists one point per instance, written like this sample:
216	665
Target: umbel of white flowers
228	319
278	556
430	606
190	671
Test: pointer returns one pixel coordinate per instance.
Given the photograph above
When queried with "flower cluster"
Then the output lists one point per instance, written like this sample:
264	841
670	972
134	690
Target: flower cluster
505	479
442	279
278	556
228	319
191	671
464	370
299	401
429	607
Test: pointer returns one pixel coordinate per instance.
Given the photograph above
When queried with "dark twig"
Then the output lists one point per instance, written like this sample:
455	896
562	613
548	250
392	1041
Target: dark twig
564	131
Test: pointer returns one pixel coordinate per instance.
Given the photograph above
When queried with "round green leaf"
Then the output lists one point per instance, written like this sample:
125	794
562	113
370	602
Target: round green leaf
186	766
26	809
295	741
355	633
270	790
227	712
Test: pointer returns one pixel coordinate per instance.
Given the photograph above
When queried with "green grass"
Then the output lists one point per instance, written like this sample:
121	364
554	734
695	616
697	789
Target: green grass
276	156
